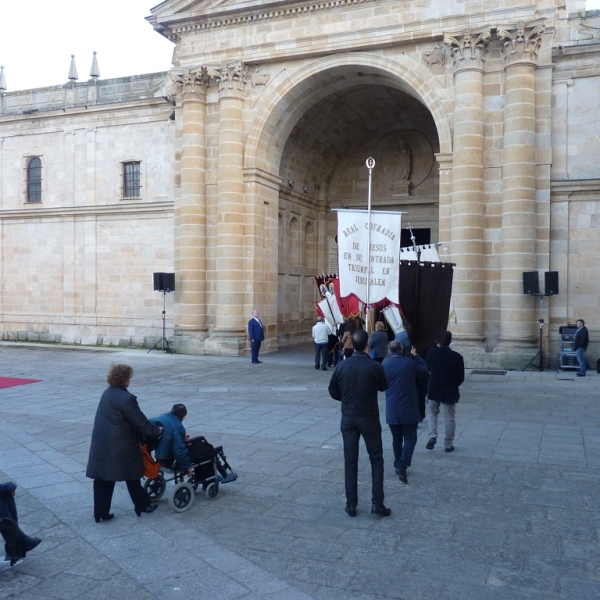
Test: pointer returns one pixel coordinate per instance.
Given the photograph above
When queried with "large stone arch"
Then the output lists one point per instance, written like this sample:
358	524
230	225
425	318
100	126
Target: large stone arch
288	290
287	103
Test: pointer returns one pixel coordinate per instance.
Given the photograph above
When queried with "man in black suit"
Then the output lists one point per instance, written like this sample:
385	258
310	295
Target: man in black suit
355	382
446	373
256	335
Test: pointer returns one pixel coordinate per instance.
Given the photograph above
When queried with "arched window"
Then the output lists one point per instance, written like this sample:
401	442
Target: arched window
34	179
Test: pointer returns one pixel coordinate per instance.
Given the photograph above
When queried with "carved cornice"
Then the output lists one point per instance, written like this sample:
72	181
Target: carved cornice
574	190
174	31
469	49
521	43
63	213
191	84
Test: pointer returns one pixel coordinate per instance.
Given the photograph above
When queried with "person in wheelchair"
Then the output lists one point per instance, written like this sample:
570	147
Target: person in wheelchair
171	447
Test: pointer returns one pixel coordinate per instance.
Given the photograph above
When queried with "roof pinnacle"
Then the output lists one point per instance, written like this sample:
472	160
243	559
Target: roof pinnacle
73	70
95	70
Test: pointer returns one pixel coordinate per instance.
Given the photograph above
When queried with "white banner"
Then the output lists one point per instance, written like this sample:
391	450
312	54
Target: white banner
429	253
377	267
331	311
392	315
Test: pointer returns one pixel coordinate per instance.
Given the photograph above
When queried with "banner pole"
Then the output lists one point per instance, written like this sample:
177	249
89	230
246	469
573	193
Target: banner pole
370	165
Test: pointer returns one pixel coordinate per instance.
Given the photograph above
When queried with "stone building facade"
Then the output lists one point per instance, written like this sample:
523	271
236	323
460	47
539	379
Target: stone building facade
482	118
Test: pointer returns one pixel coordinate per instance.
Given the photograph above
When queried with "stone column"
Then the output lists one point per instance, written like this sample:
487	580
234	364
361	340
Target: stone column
230	332
469	53
190	214
520	47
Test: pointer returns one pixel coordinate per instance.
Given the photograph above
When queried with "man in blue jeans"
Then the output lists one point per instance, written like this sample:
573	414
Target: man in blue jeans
355	382
403	369
580	344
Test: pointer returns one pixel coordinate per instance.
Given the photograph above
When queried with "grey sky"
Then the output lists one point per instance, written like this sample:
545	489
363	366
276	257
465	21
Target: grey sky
37	39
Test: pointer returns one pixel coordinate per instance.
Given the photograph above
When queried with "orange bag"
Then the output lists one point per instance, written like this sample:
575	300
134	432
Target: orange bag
151	466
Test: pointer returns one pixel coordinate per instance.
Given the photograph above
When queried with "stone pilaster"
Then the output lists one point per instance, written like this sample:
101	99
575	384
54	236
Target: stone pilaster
230	331
445	169
520	45
469	54
190	213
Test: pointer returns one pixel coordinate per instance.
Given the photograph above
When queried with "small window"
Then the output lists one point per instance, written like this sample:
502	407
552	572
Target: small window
131	180
34	179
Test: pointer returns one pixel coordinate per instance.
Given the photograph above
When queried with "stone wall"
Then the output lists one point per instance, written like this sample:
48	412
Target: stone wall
77	267
575	178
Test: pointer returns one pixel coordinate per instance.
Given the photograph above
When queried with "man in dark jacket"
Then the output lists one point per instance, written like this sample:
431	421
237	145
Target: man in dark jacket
402	370
17	544
172	442
355	382
580	344
446	373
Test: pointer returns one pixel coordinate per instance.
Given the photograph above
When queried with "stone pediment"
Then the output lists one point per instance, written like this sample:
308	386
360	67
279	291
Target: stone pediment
175	10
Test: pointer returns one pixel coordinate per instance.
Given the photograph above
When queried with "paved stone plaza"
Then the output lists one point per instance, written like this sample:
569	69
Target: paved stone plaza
512	513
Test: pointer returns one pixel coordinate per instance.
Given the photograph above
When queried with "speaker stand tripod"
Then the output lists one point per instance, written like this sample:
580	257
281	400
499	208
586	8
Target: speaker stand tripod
543	362
166	345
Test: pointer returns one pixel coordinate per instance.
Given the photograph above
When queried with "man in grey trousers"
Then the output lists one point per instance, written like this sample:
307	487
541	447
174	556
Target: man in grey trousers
446	373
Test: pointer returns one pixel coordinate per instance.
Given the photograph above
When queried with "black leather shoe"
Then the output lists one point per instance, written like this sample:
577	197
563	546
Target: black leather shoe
106	518
449	448
15	558
381	510
323	368
150	509
431	443
351	510
401	472
580	375
29	543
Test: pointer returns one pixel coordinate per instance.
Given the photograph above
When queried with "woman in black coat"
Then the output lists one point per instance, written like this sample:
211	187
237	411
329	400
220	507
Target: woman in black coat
115	452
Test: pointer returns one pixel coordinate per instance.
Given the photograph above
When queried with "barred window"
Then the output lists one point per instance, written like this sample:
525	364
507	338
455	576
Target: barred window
34	179
131	180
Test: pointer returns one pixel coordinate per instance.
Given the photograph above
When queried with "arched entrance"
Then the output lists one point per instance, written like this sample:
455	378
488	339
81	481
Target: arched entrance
313	137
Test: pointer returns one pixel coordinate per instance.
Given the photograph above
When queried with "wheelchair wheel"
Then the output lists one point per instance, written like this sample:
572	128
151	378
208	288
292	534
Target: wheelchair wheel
212	490
155	488
181	497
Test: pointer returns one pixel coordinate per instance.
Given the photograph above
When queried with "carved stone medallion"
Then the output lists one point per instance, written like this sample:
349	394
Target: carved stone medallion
406	159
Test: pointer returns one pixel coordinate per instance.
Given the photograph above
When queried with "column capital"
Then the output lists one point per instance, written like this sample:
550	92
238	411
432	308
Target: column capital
232	79
469	48
521	42
445	160
191	84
